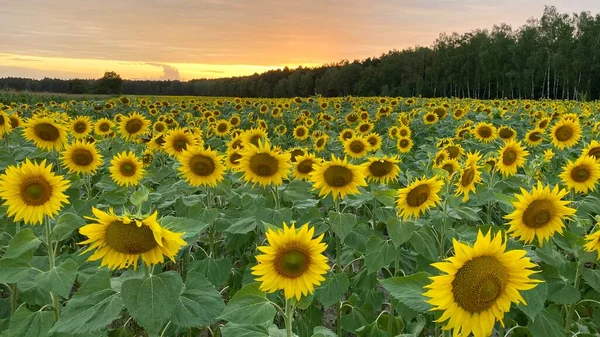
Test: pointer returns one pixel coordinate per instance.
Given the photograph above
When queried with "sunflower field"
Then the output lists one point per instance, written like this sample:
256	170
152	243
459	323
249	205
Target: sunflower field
309	217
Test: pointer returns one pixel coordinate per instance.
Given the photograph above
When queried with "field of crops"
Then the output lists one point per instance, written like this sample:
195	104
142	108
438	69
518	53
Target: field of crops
310	217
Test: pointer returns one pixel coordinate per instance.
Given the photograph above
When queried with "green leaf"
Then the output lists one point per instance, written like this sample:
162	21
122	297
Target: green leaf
200	303
400	231
321	331
24	241
249	306
332	290
59	279
188	226
204	215
92	308
535	298
140	196
274	216
215	270
592	278
66	224
549	323
562	292
408	290
380	253
341	223
424	243
25	323
151	300
243	330
386	197
13	270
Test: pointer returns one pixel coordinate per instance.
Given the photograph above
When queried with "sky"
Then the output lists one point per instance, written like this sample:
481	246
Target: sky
187	39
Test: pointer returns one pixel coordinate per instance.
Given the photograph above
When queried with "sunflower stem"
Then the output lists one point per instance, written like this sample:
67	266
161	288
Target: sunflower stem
211	229
338	321
490	205
51	261
289	316
275	196
569	319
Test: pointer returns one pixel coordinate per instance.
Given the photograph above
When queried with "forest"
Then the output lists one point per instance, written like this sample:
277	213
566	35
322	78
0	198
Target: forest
556	56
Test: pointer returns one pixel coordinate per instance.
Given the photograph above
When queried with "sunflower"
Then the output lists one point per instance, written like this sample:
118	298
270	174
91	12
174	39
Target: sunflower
264	165
159	127
346	134
254	135
404	144
548	155
304	165
534	137
320	143
103	126
582	175
539	213
455	151
592	150
419	196
126	169
293	261
543	124
393	132
233	159
15	120
382	170
356	147
450	166
31	191
5	124
479	285
512	156
565	133
470	175
176	141
506	133
133	125
222	128
201	167
593	242
81	157
147	158
404	131
156	143
45	133
374	140
121	240
484	132
430	118
301	132
337	177
296	152
364	127
81	127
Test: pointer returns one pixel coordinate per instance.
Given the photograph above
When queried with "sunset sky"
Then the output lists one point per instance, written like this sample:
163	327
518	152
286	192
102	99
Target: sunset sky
179	39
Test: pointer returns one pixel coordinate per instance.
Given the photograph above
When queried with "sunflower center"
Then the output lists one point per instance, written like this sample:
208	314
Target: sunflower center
365	128
595	152
129	238
467	177
534	136
372	141
356	146
104	127
82	157
509	157
449	168
2	121
159	127
478	283
403	143
506	133
485	132
305	166
47	132
202	165
295	153
36	191
127	169
300	132
134	125
403	133
580	173
338	176
564	133
418	195
380	168
264	165
254	140
538	213
453	152
292	263
347	135
320	142
222	127
234	158
80	127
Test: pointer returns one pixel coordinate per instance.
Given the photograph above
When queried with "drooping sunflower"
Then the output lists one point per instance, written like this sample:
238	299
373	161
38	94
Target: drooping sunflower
430	118
484	132
177	140
592	150
539	213
103	126
304	165
374	140
5	124
81	127
121	240
479	285
404	144
264	165
470	176
201	167
81	157
301	133
382	170
32	190
565	133
356	147
512	156
126	169
418	197
320	143
293	261
593	242
133	125
45	133
222	128
338	177
582	175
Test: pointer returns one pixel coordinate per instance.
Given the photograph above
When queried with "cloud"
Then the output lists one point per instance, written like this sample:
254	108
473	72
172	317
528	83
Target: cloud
169	72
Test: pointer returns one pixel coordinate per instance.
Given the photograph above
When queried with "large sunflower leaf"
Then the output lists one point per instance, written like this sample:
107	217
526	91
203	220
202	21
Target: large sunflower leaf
408	290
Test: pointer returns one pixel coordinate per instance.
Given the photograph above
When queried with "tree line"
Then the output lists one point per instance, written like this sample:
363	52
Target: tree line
555	56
